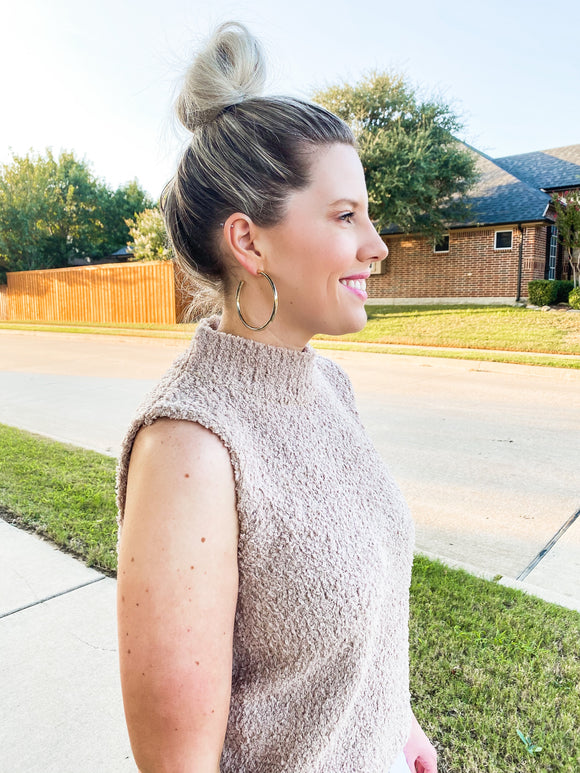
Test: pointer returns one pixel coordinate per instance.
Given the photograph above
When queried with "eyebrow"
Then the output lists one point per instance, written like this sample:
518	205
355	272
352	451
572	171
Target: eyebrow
350	202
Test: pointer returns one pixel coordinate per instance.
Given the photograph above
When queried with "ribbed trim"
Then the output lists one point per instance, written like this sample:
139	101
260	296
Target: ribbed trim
270	372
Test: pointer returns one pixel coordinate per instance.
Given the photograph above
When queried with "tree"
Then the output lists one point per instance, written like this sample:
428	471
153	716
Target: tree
149	237
118	207
53	209
415	169
567	206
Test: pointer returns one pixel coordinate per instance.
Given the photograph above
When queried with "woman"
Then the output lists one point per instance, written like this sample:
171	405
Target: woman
265	553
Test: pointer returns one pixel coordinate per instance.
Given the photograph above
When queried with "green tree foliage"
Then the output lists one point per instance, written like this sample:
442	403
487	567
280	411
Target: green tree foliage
53	209
149	237
416	171
567	206
121	205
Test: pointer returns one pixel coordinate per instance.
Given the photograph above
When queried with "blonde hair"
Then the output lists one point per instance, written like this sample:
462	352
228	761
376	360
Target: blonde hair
247	152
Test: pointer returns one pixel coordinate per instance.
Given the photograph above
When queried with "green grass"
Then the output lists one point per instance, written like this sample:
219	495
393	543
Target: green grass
138	330
486	660
62	492
480	355
497	333
473	327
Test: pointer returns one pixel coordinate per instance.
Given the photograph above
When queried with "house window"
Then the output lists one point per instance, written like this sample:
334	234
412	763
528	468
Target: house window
442	244
553	252
503	240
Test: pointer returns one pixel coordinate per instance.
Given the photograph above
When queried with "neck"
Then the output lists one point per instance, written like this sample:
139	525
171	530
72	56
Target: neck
275	334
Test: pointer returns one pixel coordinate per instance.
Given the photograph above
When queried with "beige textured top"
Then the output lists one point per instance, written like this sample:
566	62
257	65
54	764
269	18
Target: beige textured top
320	670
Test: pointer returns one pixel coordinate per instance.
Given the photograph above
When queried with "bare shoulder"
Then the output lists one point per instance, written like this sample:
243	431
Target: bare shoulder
170	442
180	462
180	490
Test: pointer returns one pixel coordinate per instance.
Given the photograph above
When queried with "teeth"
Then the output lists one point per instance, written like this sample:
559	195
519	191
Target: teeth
358	284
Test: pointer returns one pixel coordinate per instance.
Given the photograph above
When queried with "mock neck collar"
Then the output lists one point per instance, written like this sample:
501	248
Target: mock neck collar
274	372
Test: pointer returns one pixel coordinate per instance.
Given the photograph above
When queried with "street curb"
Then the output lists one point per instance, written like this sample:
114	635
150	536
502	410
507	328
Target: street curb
528	588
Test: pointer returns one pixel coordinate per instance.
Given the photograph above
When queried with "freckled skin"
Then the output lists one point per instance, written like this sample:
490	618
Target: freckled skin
161	533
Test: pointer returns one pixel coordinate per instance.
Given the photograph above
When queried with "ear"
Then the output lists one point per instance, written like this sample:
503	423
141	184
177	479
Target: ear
239	233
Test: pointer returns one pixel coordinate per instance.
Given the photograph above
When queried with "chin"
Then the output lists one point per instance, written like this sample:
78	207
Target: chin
344	327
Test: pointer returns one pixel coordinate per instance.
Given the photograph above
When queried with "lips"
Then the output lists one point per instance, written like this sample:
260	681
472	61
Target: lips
358	284
364	275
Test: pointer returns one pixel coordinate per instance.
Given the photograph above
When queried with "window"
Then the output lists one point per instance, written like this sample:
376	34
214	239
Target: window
553	252
442	244
503	240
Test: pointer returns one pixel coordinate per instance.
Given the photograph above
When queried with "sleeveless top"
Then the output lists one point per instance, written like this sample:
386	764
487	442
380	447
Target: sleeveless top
320	660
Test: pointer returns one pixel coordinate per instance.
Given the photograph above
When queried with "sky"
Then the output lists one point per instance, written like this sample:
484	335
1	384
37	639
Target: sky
99	78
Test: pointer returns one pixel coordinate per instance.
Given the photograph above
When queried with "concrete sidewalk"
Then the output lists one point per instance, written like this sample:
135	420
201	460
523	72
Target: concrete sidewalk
61	706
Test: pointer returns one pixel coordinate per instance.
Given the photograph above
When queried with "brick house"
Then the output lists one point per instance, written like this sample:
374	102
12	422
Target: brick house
509	239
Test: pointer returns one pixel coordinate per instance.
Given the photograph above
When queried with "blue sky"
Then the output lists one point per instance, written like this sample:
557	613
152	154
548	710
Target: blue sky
98	78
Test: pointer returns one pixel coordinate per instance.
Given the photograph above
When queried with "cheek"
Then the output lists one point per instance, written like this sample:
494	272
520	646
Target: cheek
314	263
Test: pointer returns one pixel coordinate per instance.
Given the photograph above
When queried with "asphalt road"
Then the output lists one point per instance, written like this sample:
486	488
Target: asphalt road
488	455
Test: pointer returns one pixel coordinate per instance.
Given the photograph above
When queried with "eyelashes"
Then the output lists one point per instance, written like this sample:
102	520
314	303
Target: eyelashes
347	217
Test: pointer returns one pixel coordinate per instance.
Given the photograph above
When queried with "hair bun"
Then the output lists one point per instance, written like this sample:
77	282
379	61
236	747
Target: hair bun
229	69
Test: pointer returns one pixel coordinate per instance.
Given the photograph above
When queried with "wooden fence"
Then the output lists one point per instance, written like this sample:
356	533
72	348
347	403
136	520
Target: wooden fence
3	302
114	292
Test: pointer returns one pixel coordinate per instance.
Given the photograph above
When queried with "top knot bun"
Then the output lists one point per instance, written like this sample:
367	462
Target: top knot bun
229	69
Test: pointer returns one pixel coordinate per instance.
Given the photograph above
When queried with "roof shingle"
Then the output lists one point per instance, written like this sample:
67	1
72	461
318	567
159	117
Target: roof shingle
500	197
547	169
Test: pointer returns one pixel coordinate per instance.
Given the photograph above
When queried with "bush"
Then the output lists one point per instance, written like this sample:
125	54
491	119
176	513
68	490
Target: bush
574	298
563	288
542	292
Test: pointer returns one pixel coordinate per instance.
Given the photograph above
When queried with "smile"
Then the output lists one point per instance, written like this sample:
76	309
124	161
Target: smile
358	286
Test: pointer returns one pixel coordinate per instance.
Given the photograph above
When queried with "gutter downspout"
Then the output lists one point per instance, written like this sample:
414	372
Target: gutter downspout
520	262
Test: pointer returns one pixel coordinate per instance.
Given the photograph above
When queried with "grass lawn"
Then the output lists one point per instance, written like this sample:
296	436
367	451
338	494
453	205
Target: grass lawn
473	327
62	492
511	334
135	329
486	661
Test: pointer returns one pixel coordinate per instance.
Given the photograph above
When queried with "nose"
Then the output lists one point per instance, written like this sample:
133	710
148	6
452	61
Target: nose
373	248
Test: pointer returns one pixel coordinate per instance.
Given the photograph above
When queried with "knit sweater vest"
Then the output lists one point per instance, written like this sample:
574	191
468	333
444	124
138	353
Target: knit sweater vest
320	661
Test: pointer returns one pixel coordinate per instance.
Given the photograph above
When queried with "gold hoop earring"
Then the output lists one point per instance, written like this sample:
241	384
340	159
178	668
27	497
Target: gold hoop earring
274	306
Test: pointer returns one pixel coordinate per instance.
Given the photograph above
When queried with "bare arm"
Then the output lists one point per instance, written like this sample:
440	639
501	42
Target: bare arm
177	593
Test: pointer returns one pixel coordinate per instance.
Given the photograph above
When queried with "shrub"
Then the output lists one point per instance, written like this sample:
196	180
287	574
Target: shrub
563	288
574	298
542	292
